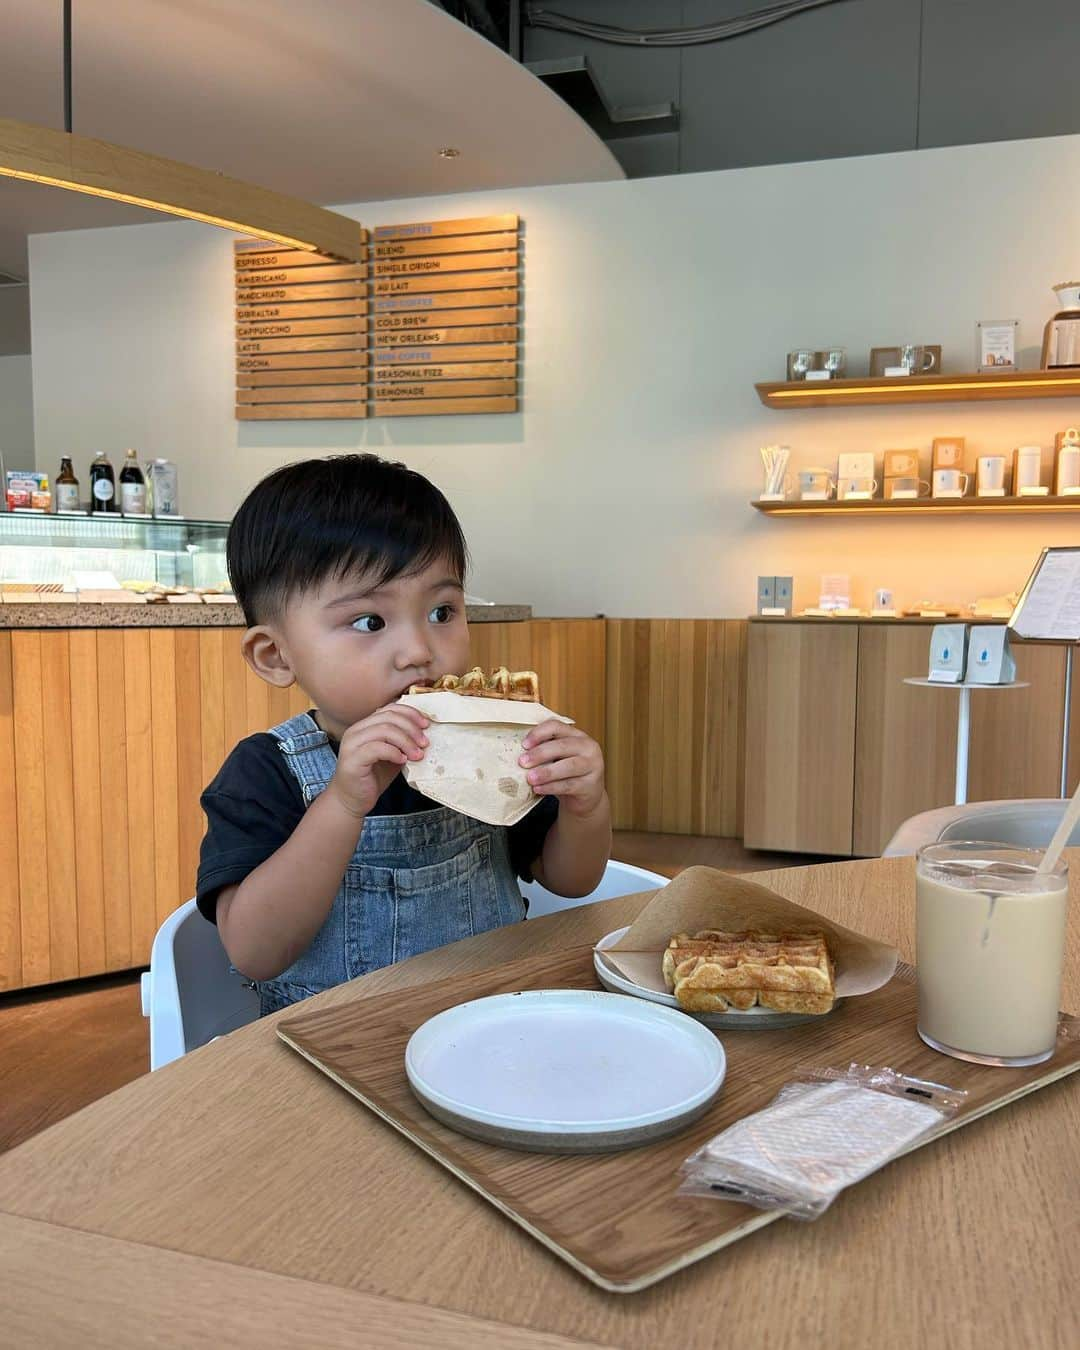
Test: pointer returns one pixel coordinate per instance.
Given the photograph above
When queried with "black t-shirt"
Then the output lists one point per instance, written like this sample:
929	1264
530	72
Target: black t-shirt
255	803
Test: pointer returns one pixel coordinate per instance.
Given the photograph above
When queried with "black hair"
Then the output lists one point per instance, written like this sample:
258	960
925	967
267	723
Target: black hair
346	515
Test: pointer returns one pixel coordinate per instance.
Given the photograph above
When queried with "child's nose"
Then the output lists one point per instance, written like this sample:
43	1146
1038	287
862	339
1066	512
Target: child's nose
415	650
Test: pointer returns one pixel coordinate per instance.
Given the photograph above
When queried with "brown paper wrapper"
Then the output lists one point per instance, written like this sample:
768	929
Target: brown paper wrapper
702	897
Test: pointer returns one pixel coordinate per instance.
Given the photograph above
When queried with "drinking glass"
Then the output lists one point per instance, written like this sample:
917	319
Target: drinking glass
917	360
799	362
990	943
836	363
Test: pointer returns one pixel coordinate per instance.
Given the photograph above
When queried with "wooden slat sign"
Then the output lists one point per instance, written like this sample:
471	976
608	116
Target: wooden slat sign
419	304
444	318
301	335
429	328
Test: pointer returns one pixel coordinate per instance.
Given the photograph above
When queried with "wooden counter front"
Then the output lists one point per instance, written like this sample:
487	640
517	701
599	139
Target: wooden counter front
839	751
107	738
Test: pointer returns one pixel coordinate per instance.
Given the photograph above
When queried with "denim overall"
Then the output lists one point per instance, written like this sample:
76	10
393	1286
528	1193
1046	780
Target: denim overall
415	882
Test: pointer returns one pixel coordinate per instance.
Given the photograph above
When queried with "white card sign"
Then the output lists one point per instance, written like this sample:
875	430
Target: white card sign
948	649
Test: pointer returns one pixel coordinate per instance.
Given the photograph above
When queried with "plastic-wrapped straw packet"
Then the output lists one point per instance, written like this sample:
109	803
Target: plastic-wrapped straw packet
817	1136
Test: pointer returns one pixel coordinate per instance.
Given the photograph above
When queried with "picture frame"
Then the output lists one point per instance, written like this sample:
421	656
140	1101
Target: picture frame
883	357
995	344
880	357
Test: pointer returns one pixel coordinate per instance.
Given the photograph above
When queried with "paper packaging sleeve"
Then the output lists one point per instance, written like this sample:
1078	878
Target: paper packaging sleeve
702	897
471	761
446	706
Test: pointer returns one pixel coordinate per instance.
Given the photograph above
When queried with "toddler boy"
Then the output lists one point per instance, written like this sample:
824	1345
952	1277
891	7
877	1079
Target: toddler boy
320	863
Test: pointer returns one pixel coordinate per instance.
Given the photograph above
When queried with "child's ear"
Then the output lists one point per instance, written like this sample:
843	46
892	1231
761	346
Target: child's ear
263	653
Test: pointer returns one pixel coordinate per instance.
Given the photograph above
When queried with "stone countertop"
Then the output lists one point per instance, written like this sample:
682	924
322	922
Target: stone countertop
65	615
904	620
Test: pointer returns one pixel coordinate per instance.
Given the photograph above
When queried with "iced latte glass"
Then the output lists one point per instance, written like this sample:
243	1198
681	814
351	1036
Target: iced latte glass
990	939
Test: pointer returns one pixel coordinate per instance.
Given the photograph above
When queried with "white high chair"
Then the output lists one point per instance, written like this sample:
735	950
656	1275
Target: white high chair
191	995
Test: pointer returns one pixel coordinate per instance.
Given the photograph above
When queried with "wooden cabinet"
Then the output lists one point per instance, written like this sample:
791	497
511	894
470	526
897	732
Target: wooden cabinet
901	738
675	719
905	737
107	738
800	737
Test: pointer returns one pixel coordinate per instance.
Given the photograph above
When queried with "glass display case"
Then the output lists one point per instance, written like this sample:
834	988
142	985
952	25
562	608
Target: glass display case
50	548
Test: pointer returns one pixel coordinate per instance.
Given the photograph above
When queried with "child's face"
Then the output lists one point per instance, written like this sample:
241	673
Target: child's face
354	649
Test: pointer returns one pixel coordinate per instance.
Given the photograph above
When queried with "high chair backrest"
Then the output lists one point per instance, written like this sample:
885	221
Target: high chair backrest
619	879
190	993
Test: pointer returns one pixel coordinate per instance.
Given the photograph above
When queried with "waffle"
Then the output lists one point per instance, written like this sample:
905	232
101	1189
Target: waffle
522	686
715	971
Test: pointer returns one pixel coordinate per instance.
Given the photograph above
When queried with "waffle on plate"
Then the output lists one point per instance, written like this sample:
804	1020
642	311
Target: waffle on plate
717	971
522	686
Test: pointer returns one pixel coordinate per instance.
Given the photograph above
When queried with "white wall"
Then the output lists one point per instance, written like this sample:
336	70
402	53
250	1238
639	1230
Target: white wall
16	412
651	308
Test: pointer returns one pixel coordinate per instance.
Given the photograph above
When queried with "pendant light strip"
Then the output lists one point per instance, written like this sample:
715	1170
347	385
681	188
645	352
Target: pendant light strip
101	169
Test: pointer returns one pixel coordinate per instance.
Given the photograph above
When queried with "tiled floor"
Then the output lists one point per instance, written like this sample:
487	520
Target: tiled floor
63	1047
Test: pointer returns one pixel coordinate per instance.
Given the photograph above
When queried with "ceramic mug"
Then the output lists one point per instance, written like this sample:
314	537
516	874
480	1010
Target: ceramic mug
815	484
990	476
904	488
1028	469
859	489
950	483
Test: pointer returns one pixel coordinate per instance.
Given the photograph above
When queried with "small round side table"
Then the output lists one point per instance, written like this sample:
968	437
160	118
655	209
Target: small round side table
963	724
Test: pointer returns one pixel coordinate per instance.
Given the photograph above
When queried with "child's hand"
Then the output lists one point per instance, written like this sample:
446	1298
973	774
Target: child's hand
564	762
372	753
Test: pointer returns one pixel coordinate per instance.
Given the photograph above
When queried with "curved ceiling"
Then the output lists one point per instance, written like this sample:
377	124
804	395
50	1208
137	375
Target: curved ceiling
330	100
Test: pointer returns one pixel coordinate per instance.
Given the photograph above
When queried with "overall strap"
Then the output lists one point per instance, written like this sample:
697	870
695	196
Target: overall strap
307	751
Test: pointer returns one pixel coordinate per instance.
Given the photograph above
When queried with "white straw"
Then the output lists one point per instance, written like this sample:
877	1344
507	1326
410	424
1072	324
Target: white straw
775	458
1061	834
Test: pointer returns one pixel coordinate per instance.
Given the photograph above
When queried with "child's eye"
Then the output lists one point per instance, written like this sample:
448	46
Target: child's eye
442	614
369	623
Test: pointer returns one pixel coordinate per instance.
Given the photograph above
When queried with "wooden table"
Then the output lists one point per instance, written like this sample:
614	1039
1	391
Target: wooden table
241	1171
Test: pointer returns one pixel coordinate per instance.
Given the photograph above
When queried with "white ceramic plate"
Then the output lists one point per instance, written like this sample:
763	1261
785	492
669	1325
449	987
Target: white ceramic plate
564	1070
752	1019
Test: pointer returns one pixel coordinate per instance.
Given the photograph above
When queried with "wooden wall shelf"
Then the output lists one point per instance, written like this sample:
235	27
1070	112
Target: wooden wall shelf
920	506
785	395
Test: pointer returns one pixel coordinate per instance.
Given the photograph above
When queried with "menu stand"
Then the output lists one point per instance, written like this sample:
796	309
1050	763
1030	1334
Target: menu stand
963	724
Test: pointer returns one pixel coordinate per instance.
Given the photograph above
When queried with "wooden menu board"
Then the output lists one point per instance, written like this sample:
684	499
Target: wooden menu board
301	334
428	327
444	317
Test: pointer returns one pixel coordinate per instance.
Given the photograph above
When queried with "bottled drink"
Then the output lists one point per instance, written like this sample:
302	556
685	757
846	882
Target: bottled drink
67	486
132	486
164	488
102	485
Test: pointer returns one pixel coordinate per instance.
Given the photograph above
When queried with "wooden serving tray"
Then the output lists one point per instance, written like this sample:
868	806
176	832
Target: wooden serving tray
616	1218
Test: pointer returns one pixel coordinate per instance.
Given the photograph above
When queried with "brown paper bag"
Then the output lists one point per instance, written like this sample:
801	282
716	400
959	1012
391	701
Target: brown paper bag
702	897
471	762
